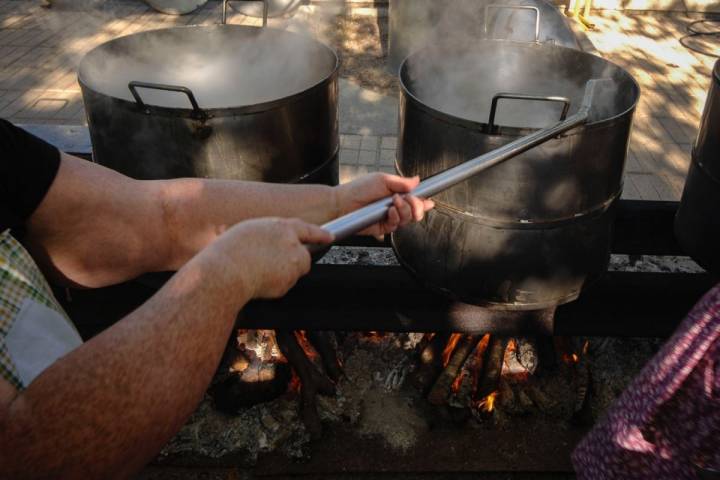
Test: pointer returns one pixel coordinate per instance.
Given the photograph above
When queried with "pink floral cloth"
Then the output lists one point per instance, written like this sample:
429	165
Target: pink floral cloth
668	419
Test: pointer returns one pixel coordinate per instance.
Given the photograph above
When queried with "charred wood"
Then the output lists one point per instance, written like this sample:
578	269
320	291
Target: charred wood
430	361
325	344
243	381
492	366
443	385
313	382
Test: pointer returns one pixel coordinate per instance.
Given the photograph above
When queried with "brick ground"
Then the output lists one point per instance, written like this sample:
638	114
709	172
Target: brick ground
41	48
674	82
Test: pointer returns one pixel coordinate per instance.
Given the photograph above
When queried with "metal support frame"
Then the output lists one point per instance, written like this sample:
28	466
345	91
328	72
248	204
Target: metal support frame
387	298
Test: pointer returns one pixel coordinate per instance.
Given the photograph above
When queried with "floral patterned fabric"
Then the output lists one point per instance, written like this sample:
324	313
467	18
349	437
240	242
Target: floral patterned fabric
668	419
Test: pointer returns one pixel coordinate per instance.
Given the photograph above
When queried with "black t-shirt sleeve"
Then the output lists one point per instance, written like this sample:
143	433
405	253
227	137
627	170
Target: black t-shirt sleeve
28	166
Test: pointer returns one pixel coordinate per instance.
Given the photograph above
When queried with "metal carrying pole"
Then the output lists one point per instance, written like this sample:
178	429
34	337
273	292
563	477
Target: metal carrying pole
364	217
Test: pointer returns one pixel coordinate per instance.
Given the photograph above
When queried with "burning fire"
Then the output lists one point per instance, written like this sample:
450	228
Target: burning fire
452	343
574	358
478	362
305	344
570	358
487	404
374	336
295	383
457	383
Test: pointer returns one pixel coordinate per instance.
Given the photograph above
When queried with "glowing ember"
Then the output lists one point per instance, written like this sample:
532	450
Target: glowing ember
305	344
374	336
478	361
452	343
457	383
487	404
295	383
570	358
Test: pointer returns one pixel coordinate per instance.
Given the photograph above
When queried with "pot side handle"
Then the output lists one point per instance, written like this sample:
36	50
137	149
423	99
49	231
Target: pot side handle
492	128
197	114
513	7
266	9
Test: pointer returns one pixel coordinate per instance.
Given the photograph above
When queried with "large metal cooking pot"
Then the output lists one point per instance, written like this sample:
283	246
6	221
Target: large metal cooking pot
531	232
214	101
417	23
697	224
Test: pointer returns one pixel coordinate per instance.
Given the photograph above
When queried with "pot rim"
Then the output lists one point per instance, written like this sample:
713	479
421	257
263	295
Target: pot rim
225	110
514	131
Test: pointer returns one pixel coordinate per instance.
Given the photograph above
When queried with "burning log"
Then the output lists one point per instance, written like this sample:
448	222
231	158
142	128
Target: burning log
312	381
431	361
252	371
492	367
325	344
450	377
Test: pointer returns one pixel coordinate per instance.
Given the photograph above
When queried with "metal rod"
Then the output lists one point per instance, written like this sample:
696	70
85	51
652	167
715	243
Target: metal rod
362	218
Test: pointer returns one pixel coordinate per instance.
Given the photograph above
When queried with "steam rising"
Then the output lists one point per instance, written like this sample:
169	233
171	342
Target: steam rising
224	66
458	74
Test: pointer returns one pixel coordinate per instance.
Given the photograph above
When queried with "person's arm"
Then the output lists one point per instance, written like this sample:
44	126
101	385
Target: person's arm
109	406
97	227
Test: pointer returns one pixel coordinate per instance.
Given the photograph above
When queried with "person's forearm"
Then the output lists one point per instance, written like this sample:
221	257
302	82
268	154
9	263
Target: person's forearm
114	401
197	211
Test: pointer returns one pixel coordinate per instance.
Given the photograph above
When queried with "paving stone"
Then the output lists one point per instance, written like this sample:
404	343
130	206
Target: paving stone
350	141
388	143
368	157
369	142
644	185
387	157
348	156
630	191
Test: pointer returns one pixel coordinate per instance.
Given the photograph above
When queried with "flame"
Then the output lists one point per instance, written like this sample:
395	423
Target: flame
570	358
305	344
457	383
487	404
478	360
239	364
511	346
452	343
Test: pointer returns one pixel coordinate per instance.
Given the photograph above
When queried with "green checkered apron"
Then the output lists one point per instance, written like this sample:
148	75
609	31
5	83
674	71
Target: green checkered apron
22	285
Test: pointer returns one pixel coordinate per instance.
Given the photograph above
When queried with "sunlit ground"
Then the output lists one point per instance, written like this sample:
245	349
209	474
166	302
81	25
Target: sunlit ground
674	82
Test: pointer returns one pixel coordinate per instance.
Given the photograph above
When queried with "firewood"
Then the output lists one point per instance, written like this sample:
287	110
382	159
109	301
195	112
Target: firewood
324	343
243	381
430	362
492	366
442	388
312	381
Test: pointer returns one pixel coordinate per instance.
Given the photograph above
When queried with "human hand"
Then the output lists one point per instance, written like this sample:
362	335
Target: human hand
368	188
270	253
